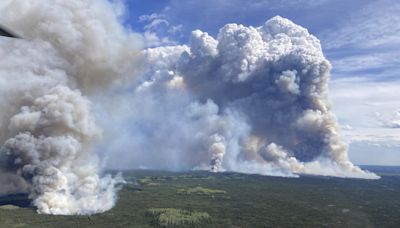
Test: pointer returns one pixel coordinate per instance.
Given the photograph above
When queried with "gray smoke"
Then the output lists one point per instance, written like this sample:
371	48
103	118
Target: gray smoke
253	100
72	50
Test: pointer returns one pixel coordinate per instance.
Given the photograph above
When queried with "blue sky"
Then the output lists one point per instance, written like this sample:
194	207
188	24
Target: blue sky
359	37
355	28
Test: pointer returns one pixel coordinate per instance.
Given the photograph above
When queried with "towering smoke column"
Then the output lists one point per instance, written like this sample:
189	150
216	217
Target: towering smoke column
253	100
72	49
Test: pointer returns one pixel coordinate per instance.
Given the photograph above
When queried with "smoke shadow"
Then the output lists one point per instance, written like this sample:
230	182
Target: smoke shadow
19	200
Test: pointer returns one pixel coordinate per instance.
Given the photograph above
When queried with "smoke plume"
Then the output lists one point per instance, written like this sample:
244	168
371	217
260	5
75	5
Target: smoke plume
251	100
71	50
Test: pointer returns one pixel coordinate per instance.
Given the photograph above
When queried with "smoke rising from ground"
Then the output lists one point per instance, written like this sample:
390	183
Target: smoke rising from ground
252	100
72	49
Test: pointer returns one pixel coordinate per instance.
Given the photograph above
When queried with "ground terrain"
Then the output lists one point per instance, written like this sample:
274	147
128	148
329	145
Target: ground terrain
203	199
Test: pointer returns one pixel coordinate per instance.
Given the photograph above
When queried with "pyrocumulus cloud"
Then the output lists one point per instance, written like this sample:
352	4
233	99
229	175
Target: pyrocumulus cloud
253	100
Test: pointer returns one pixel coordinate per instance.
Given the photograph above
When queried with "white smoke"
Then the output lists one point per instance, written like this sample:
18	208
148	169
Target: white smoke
71	50
253	100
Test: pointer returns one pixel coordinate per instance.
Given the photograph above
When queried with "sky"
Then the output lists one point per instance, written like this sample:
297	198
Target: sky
359	37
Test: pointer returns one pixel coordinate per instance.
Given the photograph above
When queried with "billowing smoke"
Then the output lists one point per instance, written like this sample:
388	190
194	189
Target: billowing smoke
72	50
252	100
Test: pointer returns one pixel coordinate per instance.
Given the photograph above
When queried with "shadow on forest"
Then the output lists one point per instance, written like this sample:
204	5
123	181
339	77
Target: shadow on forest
20	200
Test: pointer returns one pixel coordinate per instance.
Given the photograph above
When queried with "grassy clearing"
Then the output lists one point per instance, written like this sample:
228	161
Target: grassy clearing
168	217
148	182
9	207
201	191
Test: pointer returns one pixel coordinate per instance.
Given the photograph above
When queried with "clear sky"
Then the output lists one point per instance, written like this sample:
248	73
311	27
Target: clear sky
361	38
